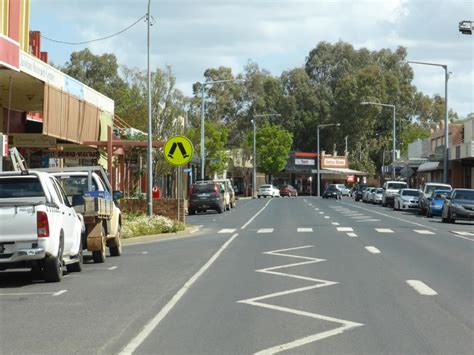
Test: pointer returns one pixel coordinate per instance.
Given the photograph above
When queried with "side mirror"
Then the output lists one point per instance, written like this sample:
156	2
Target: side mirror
117	195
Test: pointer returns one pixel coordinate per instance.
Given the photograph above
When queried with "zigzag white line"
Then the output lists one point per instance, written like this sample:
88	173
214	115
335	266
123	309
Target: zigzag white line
345	325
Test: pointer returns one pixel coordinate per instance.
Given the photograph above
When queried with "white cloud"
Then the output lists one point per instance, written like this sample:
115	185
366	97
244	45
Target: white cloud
278	34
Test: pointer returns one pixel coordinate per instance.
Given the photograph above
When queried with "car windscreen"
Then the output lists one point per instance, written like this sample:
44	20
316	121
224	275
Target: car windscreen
431	188
379	191
202	188
410	193
396	186
20	187
266	186
464	195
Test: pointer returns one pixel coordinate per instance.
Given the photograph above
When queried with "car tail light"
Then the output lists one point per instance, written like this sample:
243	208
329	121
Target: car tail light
42	224
215	188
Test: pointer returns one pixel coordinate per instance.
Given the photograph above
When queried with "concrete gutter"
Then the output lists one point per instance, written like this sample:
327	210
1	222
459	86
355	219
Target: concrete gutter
188	232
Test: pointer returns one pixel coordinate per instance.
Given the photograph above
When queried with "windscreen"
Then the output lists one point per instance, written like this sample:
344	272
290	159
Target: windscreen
410	193
203	188
20	187
396	186
465	195
431	188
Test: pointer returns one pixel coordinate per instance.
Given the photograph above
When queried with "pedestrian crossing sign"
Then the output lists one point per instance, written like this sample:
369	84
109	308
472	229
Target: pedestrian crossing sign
178	150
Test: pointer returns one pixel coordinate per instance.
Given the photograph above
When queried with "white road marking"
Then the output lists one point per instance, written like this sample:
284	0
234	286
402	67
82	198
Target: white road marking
386	215
316	209
327	217
321	212
372	249
368	220
32	293
265	230
422	288
255	216
226	230
305	230
59	293
334	223
112	268
145	252
352	235
422	231
461	234
360	217
345	324
344	229
384	230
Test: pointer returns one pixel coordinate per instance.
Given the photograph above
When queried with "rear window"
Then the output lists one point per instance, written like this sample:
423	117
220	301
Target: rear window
75	185
396	186
200	188
20	187
431	188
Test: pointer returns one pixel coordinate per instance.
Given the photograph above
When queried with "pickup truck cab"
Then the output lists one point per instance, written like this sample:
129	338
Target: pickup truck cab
39	228
390	189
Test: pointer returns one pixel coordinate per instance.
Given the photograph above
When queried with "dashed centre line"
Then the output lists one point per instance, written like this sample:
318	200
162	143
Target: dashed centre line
344	229
305	230
265	230
372	249
384	230
226	230
423	231
352	235
334	223
422	288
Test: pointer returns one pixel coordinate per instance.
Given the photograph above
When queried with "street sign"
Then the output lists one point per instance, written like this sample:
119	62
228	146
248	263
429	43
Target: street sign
178	150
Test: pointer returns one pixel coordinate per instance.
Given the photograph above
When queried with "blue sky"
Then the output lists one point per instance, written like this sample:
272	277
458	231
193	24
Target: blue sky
193	35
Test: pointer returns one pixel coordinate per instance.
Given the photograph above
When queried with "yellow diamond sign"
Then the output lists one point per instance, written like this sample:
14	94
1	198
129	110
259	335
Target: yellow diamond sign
178	150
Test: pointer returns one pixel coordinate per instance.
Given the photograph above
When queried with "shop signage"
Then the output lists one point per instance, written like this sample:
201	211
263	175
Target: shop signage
178	150
74	155
31	140
3	145
350	178
333	162
299	161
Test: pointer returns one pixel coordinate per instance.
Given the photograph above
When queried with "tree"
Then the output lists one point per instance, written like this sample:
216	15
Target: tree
273	146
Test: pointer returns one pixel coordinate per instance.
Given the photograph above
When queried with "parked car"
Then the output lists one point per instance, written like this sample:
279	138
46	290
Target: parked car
332	192
276	191
344	190
391	188
266	190
365	195
288	190
406	199
377	196
359	192
230	189
206	195
435	208
458	204
426	191
39	227
370	195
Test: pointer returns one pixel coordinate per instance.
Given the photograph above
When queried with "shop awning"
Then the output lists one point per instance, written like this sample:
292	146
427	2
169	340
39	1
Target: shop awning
428	166
342	171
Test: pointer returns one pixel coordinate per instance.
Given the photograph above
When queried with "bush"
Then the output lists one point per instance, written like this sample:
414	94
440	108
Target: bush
135	225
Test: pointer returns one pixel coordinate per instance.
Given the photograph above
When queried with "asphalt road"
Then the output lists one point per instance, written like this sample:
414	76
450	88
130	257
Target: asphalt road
299	275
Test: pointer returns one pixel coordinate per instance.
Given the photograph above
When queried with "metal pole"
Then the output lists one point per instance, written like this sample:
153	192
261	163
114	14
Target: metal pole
254	183
345	151
178	195
317	166
150	130
446	127
393	146
202	133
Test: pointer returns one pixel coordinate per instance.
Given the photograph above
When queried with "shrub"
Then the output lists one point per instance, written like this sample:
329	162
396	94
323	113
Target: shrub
135	225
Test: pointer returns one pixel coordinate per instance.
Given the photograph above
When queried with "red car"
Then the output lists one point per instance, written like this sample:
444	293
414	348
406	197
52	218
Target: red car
288	190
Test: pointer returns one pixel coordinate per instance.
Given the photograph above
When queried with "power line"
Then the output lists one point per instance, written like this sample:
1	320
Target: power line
101	38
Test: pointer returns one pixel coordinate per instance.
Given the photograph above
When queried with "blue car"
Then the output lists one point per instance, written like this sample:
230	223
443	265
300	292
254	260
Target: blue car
436	200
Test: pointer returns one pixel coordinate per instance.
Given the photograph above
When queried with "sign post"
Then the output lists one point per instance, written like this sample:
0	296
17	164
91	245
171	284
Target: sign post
178	151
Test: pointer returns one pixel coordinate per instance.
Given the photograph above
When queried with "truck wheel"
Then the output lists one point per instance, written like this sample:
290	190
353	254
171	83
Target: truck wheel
77	266
116	248
99	255
53	266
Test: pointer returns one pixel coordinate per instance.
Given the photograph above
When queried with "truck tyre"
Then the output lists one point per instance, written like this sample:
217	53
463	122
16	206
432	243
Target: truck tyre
53	266
116	244
77	266
99	255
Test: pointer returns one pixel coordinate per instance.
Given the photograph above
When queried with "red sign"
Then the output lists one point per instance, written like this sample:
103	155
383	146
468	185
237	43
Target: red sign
3	145
9	53
350	178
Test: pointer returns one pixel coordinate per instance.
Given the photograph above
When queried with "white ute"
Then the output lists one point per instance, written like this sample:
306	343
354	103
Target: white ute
39	229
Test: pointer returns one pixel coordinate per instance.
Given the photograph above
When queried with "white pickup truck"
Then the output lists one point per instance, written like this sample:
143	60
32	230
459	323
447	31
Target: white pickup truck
39	229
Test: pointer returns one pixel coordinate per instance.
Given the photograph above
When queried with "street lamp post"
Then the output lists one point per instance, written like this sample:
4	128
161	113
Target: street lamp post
394	145
317	155
203	149
149	161
254	177
446	123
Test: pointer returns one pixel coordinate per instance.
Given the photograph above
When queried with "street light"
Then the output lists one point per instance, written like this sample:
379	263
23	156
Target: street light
149	154
203	149
446	128
318	160
394	137
254	178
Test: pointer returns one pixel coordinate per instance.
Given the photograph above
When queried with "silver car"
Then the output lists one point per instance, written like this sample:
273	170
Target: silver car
406	199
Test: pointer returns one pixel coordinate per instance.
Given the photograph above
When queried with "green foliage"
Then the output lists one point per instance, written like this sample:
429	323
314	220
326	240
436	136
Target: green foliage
137	225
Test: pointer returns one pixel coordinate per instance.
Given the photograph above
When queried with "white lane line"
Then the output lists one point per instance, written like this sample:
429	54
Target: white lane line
344	229
334	223
422	288
112	268
144	252
59	293
265	230
461	234
368	220
327	217
384	230
255	216
372	249
316	209
352	235
360	217
321	212
27	294
305	230
226	231
386	215
318	283
153	323
422	231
